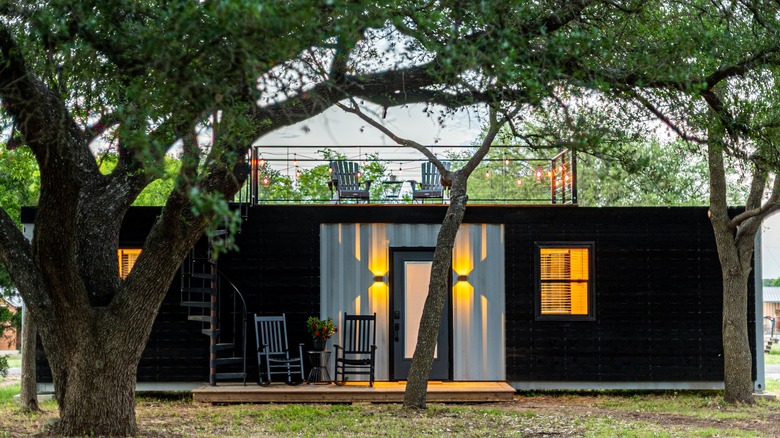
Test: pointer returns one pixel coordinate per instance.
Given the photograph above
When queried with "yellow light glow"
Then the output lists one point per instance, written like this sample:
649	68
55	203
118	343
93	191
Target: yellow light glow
564	274
484	303
377	296
462	257
378	258
357	242
463	295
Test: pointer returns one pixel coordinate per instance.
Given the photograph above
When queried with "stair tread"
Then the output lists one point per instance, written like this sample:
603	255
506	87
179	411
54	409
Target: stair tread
200	290
200	318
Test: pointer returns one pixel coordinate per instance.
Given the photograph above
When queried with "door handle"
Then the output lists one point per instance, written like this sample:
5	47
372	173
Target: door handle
397	327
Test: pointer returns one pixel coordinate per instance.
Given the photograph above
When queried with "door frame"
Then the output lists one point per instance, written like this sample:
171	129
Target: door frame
394	254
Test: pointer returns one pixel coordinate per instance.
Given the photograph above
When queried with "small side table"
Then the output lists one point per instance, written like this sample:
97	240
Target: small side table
319	361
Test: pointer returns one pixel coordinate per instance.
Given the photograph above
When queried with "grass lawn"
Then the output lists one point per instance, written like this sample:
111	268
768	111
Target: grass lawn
14	360
595	414
773	358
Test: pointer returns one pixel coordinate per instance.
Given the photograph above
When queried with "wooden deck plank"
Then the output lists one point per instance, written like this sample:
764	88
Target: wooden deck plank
382	392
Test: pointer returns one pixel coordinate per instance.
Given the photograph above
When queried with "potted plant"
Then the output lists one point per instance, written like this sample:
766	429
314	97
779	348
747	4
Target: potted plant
320	330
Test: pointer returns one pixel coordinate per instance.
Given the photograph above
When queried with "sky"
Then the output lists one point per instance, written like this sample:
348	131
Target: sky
335	127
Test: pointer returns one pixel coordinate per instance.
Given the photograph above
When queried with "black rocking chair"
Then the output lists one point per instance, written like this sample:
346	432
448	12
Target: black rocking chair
430	186
358	354
273	356
345	181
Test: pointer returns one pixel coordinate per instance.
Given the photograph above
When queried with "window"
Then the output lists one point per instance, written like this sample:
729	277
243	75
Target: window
127	258
565	284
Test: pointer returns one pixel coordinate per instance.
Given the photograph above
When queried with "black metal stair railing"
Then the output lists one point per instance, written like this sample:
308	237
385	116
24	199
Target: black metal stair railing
201	295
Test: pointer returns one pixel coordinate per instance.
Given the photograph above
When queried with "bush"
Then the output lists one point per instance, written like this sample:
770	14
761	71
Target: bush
3	366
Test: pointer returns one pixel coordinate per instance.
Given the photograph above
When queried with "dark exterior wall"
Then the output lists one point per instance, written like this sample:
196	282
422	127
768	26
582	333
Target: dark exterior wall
657	285
658	298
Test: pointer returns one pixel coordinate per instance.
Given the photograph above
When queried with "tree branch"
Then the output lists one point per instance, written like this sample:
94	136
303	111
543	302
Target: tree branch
767	207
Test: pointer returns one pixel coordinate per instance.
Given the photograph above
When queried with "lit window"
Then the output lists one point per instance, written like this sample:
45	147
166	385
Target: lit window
127	258
564	287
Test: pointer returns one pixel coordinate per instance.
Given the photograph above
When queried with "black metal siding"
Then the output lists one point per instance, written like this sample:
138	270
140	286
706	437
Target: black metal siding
657	285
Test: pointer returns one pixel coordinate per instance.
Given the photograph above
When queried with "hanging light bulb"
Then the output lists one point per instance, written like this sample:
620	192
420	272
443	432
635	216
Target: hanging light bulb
295	160
560	168
266	181
506	161
297	172
330	170
549	173
538	173
519	182
358	174
487	173
262	161
566	177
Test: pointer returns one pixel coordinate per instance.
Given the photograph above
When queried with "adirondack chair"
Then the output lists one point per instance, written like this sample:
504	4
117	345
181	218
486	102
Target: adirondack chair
273	356
357	355
430	185
344	181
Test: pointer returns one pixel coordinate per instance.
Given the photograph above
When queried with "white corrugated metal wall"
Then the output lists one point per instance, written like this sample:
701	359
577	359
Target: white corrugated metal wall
353	256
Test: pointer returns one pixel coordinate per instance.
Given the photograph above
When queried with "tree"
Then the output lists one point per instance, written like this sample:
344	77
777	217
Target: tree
422	360
209	78
714	86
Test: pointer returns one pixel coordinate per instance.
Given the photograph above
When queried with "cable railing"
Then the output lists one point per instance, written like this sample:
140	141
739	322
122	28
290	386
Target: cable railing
508	175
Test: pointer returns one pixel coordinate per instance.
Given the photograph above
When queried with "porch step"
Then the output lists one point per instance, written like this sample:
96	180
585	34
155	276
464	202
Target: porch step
204	304
204	275
210	333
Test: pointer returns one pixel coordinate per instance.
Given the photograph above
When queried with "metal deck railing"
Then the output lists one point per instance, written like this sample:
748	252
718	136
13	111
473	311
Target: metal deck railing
508	175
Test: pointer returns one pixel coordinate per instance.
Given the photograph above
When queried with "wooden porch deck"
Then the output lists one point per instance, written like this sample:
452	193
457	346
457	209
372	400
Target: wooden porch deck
382	392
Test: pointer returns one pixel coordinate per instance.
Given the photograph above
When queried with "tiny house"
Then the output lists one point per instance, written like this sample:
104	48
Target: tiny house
542	297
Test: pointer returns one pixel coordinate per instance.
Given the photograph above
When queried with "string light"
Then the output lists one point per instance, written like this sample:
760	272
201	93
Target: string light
262	161
297	172
487	173
295	160
266	181
357	174
566	177
538	173
560	168
549	173
519	182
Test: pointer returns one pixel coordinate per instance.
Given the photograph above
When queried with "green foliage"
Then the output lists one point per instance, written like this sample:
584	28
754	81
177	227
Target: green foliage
321	329
3	366
311	185
771	282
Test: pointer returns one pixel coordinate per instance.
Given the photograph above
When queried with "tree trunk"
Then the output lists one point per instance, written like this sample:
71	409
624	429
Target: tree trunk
28	397
98	392
737	360
422	361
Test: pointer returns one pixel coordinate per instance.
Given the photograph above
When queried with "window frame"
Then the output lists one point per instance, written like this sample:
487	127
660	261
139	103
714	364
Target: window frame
591	247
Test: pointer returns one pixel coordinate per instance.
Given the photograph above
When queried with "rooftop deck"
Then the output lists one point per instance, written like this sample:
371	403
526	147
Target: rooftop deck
508	175
353	392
